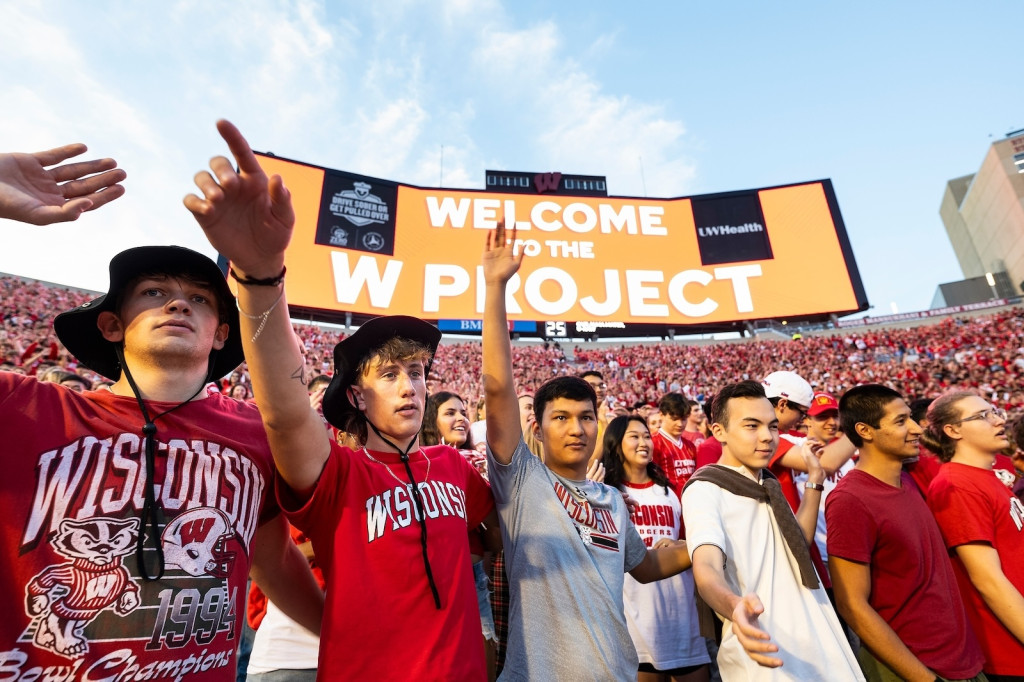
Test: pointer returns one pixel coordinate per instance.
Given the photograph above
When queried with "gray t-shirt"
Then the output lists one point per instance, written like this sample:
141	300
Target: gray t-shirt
567	545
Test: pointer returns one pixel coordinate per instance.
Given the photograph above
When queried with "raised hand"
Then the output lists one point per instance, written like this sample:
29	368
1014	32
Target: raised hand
246	216
755	641
500	260
812	450
32	193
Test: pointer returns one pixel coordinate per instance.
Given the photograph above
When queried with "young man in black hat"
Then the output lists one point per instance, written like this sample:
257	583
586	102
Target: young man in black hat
110	570
568	540
135	514
389	522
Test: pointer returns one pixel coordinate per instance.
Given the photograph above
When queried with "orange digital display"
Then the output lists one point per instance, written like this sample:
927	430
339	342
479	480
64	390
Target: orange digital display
375	247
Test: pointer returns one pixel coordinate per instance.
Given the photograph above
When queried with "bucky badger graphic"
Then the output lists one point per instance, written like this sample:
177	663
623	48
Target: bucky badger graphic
62	599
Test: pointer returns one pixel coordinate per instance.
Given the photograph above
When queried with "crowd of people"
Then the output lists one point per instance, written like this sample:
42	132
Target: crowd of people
984	353
840	507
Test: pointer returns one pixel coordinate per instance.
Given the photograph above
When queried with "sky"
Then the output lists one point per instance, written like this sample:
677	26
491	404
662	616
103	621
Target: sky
888	100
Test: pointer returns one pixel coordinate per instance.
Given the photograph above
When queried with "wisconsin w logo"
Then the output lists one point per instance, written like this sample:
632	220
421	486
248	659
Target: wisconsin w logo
547	182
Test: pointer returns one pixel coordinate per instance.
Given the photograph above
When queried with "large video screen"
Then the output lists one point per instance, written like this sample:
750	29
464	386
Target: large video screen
371	247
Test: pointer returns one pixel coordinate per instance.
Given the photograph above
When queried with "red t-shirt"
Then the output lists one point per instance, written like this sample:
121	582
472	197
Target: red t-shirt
677	460
972	505
71	496
709	452
380	619
695	437
912	583
923	470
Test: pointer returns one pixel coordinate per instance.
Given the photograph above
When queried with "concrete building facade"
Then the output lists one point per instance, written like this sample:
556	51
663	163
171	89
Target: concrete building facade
984	217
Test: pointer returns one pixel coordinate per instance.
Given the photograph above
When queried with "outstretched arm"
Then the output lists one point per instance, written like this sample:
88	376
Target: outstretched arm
32	193
249	218
833	456
666	559
503	429
709	575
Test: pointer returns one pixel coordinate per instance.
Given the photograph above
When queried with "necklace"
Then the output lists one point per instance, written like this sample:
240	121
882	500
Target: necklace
387	467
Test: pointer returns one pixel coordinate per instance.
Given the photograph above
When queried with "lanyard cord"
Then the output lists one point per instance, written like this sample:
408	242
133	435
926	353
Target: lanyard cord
422	516
150	510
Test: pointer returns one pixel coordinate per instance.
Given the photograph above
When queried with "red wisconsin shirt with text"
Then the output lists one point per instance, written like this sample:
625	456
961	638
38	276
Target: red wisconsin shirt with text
71	496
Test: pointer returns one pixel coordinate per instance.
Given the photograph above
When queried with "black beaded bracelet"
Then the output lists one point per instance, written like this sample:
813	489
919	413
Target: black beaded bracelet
266	282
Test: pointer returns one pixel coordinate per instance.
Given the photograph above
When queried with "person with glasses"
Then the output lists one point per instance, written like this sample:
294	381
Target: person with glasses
982	523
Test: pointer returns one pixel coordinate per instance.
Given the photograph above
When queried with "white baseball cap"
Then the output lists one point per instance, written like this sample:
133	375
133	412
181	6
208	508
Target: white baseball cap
788	385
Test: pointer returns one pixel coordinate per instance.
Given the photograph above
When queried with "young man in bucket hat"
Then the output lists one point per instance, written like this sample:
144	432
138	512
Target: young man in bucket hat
132	515
389	522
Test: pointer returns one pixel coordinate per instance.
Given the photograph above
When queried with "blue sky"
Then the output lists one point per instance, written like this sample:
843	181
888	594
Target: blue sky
889	100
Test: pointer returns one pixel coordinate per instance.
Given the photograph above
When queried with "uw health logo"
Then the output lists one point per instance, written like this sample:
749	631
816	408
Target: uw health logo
357	213
731	229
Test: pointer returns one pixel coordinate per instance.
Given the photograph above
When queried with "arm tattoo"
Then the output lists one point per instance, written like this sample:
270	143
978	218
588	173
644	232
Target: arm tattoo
299	374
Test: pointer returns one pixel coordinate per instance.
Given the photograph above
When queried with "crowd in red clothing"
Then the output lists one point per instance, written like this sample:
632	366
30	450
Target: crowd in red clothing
984	353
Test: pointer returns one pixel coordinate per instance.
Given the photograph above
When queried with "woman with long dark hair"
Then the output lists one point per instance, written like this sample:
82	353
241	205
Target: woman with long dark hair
661	616
445	421
982	522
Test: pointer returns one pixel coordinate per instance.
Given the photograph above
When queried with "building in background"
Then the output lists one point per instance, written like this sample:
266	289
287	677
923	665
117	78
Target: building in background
984	217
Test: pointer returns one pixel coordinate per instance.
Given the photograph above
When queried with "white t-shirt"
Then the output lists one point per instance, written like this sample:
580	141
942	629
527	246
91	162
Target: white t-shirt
282	644
661	616
478	432
800	621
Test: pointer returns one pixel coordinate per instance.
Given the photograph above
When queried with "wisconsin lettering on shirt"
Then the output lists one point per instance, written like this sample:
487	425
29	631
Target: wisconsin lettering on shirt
91	476
396	505
596	526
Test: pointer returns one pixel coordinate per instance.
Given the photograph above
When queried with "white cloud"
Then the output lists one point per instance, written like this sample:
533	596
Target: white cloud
371	88
574	125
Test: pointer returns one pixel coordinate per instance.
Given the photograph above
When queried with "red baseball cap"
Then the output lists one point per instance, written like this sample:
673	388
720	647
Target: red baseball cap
822	402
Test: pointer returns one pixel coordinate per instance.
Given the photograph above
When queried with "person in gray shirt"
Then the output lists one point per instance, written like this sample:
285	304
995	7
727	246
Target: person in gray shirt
568	541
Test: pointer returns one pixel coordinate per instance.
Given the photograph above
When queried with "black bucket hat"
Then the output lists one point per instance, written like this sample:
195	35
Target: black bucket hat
78	331
353	350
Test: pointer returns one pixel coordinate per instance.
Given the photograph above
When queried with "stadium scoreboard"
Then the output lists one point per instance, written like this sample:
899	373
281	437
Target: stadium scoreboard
595	266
